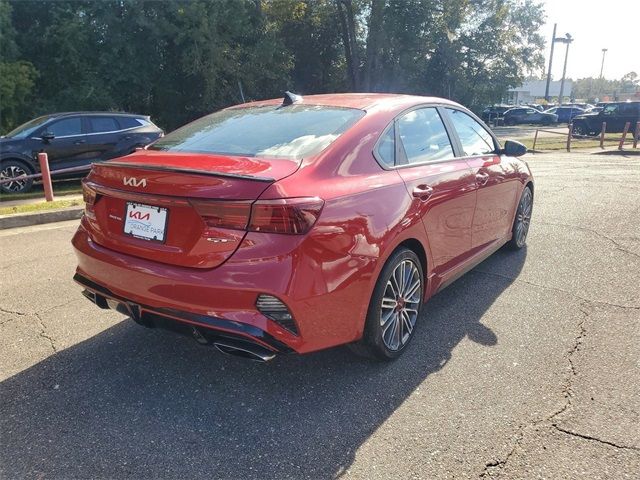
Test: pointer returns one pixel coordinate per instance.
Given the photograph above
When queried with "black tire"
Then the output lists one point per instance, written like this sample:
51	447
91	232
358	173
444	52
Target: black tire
579	130
376	341
13	169
522	220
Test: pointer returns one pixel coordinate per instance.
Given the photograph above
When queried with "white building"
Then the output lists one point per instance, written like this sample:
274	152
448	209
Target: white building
535	89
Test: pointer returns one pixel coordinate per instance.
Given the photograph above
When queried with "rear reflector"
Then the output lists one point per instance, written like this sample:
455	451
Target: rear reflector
223	214
286	215
273	308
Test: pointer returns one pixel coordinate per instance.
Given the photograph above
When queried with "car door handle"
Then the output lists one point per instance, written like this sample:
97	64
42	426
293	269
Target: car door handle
79	142
482	178
423	192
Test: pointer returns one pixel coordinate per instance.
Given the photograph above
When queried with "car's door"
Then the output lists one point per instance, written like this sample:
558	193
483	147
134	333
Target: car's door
442	186
104	134
68	146
497	182
533	116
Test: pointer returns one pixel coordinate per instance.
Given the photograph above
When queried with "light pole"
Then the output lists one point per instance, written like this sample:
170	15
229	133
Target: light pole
567	40
604	50
553	42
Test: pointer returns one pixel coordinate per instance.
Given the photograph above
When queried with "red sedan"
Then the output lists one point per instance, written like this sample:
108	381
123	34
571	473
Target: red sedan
298	225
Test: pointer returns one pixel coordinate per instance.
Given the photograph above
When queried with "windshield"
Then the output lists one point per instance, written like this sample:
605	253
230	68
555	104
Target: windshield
26	129
291	132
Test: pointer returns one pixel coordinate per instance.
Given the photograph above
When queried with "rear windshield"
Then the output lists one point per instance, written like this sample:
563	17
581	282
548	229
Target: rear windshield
291	132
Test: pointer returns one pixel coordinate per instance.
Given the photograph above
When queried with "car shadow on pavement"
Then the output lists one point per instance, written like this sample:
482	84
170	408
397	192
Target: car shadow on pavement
138	403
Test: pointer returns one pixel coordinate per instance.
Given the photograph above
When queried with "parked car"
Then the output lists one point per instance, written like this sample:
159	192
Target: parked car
535	106
565	114
491	113
71	140
520	115
298	225
615	114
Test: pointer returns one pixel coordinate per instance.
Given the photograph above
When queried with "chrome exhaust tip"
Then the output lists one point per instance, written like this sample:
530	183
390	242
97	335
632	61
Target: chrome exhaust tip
244	350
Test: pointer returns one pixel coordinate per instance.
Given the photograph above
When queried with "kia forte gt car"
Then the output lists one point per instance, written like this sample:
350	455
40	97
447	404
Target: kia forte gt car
298	225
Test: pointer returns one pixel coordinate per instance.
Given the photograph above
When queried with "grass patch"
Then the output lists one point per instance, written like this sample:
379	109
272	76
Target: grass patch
42	206
559	142
62	187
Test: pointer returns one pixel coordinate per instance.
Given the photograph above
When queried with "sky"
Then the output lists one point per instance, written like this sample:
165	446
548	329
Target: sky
594	25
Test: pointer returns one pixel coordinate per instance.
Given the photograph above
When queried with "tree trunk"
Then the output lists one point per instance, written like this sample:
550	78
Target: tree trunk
374	42
347	27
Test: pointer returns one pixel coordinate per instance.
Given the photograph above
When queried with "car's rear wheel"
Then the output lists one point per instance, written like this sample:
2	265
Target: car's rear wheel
394	308
522	221
14	170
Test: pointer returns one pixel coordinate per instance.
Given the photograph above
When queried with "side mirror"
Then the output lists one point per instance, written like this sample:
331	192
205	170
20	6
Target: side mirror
47	137
514	149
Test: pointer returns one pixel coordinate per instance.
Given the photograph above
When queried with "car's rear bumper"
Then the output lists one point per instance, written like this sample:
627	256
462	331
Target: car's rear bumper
205	329
222	300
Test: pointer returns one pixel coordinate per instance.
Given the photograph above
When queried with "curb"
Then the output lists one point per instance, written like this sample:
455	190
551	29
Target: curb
35	218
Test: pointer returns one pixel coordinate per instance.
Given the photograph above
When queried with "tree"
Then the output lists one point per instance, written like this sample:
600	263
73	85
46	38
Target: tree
17	77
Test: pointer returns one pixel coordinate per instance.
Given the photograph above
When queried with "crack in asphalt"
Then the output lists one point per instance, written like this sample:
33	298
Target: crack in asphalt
498	464
619	247
594	439
43	333
12	312
566	292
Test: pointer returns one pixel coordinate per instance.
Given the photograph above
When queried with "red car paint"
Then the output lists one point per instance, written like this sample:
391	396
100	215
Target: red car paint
454	213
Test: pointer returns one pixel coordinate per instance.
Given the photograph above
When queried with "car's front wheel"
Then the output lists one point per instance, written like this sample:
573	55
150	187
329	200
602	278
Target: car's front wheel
579	130
13	171
394	308
522	220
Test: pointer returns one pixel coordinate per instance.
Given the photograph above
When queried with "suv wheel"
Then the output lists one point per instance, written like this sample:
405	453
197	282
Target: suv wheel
579	130
14	169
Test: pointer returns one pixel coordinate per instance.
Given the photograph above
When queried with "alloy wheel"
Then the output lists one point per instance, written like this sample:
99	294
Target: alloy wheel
523	217
13	172
400	305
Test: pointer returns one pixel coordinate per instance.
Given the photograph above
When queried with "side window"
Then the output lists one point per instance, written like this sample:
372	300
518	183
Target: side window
130	122
474	137
65	127
610	109
628	109
423	136
387	147
103	124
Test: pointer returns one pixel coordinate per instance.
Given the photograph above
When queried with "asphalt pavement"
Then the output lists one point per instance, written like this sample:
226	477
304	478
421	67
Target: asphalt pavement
526	367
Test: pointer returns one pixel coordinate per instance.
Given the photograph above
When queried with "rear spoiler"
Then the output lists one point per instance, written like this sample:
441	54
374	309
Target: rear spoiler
193	171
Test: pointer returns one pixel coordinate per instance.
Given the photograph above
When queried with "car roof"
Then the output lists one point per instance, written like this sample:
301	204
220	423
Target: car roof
362	101
90	113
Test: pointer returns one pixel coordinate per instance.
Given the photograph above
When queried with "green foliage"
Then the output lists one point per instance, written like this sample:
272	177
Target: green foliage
176	59
591	88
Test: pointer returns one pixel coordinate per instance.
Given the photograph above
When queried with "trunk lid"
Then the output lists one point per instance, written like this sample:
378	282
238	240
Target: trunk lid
185	209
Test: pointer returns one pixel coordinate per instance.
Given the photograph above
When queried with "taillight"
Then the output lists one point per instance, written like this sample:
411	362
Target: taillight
286	215
89	196
223	214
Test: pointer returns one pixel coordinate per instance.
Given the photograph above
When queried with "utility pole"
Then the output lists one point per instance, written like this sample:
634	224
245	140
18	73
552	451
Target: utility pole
553	42
567	41
604	50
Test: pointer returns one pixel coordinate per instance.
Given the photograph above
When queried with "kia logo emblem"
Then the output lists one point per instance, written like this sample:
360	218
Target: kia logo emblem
134	182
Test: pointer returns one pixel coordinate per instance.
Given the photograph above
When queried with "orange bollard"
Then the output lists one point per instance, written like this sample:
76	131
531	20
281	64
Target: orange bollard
43	158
